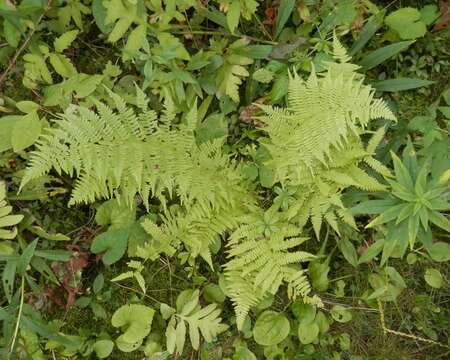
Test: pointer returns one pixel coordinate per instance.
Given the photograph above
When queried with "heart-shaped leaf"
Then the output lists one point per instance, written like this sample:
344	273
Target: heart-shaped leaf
113	243
136	321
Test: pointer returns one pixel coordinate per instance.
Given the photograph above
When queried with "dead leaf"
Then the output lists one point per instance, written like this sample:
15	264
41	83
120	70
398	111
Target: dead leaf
444	21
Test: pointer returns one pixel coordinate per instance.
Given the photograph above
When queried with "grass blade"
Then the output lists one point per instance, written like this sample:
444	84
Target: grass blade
378	56
392	85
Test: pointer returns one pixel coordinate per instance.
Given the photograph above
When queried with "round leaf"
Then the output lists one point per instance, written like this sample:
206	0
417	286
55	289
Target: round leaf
308	332
103	348
304	313
434	278
271	328
341	314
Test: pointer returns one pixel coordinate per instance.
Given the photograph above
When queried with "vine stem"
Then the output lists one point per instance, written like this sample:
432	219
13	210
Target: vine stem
386	330
23	46
19	316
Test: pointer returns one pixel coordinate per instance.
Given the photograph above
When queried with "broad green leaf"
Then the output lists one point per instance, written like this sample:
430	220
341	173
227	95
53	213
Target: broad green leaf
433	277
372	251
440	251
126	346
213	293
395	276
113	243
135	320
341	314
233	15
7	124
62	65
376	57
115	214
103	348
242	352
99	13
11	34
407	23
349	251
308	332
271	328
304	313
283	13
171	336
400	84
263	76
87	84
319	275
63	42
180	333
27	106
26	131
429	14
323	322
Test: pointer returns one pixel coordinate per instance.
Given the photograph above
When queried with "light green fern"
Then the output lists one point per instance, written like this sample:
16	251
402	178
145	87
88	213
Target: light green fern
262	258
315	143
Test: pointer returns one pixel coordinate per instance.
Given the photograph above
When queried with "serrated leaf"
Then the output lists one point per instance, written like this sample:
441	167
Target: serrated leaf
233	15
62	65
63	42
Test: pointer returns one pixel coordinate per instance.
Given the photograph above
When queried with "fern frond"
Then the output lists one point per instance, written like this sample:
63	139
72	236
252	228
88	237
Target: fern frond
259	265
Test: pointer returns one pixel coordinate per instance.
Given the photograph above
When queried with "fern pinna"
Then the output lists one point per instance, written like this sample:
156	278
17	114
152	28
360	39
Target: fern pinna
316	153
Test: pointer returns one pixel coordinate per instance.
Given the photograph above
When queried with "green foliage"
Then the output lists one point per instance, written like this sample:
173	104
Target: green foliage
200	320
414	202
233	166
8	231
135	321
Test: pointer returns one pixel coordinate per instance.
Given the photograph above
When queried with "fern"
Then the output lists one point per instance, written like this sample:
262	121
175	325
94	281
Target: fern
124	152
261	261
315	143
